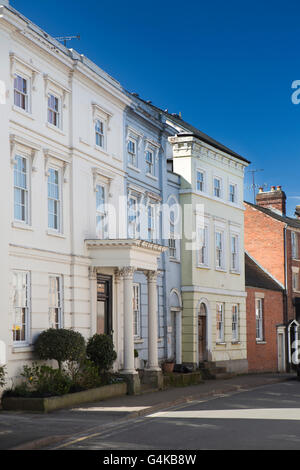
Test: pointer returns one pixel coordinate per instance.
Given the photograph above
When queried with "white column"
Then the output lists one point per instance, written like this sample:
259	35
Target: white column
118	316
128	368
152	321
93	299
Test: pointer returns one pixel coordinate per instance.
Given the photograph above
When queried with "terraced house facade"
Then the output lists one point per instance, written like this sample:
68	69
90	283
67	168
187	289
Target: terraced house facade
94	187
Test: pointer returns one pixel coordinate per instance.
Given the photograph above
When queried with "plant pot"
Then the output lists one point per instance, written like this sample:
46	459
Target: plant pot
168	366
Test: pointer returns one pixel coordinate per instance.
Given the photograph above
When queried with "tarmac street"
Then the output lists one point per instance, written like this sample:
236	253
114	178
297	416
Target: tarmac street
249	411
264	418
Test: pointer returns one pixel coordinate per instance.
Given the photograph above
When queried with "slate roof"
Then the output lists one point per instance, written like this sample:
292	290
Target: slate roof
193	130
292	222
255	276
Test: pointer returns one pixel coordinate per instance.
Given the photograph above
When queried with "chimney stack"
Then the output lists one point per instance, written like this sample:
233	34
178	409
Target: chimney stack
275	200
297	212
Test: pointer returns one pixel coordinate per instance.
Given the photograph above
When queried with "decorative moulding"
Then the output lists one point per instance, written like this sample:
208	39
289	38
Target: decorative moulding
33	148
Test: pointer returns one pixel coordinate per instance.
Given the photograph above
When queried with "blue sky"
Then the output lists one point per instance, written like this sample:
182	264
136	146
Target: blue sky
227	66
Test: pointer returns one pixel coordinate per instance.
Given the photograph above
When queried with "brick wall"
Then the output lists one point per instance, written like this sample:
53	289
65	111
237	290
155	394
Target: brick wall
263	356
264	241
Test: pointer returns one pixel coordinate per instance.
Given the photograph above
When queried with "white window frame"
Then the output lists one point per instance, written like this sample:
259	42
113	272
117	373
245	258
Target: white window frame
100	133
101	213
295	281
200	184
217	178
220	322
25	190
151	227
235	322
150	170
259	315
55	309
136	299
26	95
133	222
58	200
26	307
234	193
234	255
294	244
55	112
203	246
132	154
220	251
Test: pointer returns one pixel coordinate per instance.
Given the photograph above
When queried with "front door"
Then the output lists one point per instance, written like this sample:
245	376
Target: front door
202	339
173	335
104	304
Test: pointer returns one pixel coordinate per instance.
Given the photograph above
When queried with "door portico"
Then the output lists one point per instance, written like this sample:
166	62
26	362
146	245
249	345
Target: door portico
125	257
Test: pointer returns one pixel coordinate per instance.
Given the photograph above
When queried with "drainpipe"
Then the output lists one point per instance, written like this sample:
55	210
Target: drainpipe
285	301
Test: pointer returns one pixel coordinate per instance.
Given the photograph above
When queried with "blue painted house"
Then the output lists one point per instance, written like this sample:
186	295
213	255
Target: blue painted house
153	194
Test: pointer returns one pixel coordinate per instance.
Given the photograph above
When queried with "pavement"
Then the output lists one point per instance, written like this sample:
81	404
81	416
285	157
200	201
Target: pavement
29	431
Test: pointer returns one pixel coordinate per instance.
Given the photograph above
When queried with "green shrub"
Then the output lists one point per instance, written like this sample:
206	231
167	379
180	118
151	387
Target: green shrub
61	345
43	380
100	350
84	375
2	376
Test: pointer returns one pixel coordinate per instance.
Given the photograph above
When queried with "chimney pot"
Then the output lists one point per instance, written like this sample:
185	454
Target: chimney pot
275	200
261	189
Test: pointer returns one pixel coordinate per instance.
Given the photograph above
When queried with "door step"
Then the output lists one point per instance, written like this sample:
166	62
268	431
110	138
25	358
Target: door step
211	371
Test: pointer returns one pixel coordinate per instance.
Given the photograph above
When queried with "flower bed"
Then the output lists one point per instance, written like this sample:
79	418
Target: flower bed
69	400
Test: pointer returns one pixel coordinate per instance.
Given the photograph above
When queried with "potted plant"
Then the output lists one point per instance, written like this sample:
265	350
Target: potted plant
168	365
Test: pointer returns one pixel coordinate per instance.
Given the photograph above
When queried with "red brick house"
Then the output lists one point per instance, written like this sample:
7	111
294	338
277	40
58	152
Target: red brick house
272	239
264	310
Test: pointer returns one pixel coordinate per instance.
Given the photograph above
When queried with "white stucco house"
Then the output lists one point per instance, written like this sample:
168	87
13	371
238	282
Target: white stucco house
66	258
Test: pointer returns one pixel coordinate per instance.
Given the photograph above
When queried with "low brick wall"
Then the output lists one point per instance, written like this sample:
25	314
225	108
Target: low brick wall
65	401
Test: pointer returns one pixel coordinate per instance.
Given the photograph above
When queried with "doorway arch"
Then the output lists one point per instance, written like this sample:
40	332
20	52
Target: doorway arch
202	326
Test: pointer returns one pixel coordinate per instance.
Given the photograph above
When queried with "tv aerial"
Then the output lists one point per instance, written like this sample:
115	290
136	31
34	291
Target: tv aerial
64	39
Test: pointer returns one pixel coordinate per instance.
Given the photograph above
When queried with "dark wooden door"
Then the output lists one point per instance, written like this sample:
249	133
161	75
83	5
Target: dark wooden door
202	338
104	304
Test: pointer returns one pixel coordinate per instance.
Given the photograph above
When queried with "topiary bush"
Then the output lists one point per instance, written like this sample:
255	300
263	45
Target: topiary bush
100	350
61	345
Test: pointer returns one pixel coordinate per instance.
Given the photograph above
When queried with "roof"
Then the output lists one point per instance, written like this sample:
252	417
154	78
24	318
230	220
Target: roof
292	222
256	276
194	131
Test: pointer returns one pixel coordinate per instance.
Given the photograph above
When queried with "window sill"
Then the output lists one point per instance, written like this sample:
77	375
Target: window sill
138	341
203	266
22	348
134	168
221	343
260	342
21	226
101	149
174	260
238	273
22	112
235	342
222	270
52	233
152	176
54	128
